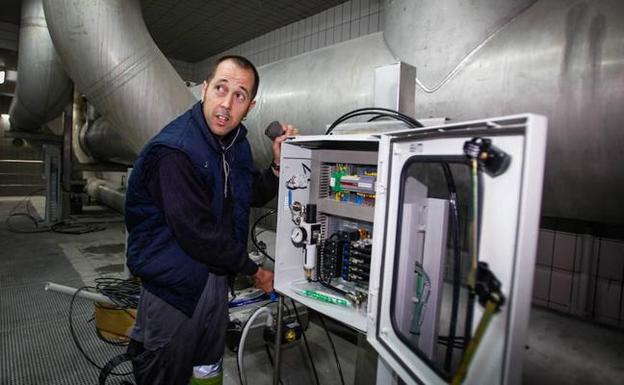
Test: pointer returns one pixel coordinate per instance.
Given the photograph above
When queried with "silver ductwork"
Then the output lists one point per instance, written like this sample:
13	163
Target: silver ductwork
43	88
102	141
552	57
313	89
562	59
110	55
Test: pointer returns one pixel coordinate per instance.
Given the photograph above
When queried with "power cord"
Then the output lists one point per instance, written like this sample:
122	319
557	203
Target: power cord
379	112
331	342
28	214
307	346
65	227
75	337
455	229
254	235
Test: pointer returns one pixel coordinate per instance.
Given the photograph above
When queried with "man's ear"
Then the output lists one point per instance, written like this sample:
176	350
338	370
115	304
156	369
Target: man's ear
204	88
251	105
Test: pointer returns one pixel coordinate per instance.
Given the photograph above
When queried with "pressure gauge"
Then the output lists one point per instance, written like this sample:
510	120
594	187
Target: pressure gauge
298	235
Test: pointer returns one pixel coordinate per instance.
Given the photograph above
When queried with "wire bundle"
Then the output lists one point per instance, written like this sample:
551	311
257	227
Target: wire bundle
123	293
379	113
112	286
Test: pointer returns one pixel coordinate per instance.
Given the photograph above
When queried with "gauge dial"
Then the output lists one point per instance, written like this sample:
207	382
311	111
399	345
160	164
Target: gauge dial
298	235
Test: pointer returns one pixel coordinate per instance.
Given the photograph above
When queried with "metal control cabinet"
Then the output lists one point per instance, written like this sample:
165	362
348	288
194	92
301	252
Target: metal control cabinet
405	309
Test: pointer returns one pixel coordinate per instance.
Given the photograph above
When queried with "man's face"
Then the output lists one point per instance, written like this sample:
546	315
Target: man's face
227	98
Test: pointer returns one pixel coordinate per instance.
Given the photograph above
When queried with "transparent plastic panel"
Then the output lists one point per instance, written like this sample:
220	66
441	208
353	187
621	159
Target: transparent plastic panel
430	301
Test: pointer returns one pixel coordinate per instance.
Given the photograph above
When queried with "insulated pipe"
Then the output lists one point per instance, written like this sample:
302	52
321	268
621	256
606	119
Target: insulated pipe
43	88
110	55
558	58
107	193
311	90
104	142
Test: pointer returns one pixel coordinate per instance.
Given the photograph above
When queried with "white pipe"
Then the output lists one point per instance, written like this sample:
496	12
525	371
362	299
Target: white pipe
91	296
241	343
107	193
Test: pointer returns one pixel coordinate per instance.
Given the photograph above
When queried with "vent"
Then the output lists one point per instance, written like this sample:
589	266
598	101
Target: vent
324	180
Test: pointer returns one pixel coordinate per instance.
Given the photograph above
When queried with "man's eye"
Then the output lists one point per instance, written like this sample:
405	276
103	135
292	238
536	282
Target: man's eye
219	88
241	97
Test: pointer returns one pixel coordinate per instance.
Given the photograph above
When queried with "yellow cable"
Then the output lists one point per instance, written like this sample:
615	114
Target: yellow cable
462	370
474	226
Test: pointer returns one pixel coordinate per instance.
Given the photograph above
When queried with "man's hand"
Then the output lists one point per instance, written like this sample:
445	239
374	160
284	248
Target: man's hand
264	280
289	130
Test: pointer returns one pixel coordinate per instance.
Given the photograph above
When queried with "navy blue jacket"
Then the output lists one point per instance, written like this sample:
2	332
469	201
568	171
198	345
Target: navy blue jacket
173	266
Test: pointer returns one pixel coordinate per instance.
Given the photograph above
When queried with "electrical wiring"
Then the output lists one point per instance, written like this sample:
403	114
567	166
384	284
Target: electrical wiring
35	229
374	111
75	337
239	366
331	342
474	223
307	346
28	214
65	227
123	292
455	229
394	117
254	235
76	228
240	354
268	352
474	250
423	289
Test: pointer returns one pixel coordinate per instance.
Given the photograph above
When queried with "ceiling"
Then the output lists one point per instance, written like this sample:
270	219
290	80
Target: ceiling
192	30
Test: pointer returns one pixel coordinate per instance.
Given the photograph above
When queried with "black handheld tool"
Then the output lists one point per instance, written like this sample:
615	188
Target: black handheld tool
273	130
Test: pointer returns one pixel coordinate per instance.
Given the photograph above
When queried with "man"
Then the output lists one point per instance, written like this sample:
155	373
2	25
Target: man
187	214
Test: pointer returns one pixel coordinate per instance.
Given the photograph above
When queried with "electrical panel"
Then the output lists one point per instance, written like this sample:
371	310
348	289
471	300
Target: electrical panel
423	239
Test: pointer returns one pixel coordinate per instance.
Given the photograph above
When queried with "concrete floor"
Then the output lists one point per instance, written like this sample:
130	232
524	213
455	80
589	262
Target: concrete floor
560	349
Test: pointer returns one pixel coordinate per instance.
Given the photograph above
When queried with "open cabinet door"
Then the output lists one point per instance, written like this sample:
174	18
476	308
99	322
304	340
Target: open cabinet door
455	228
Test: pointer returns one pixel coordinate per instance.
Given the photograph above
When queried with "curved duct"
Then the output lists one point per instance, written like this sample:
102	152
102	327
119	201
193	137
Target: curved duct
105	192
110	55
558	58
103	142
313	89
43	88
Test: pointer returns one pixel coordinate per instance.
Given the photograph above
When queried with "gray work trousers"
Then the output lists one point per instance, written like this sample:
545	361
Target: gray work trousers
166	344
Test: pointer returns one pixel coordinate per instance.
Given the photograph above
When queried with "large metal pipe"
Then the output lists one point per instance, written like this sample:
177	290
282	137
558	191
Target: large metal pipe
110	55
107	193
313	89
558	58
43	88
104	142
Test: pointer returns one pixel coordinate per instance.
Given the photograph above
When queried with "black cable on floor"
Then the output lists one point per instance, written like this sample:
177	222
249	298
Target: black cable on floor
331	342
75	337
268	352
307	346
